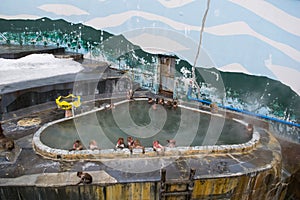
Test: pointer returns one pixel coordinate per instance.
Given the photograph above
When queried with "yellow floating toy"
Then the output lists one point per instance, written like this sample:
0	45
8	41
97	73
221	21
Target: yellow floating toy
68	102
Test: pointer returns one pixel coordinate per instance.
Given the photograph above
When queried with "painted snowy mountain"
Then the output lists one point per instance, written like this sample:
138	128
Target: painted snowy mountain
257	94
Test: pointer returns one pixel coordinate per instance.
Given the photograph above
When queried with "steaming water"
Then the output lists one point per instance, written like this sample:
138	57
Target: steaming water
147	125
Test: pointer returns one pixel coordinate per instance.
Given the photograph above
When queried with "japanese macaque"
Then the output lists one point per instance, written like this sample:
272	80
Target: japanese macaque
162	102
175	104
77	145
68	113
85	178
154	106
171	143
150	100
137	145
157	146
250	128
120	143
169	104
110	106
6	143
213	107
156	100
134	144
130	142
93	145
130	94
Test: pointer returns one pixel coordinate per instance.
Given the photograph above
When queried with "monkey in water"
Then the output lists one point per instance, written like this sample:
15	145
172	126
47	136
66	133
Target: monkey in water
120	143
77	145
85	178
130	142
157	146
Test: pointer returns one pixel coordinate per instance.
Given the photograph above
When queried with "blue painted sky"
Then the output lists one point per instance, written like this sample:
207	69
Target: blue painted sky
257	37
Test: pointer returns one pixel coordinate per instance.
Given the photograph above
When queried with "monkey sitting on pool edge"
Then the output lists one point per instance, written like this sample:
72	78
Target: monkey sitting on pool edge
85	178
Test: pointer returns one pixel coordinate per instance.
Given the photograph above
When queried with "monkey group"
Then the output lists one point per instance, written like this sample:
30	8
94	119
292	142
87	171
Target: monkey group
77	145
168	104
86	178
131	144
136	144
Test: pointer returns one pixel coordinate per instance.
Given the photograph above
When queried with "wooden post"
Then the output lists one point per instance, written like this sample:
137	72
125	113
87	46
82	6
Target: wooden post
1	132
162	182
191	183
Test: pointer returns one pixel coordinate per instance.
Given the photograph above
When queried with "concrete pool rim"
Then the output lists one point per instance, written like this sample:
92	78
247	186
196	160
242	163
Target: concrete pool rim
88	154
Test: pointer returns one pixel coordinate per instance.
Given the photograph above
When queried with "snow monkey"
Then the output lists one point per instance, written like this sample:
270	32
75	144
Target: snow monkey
85	178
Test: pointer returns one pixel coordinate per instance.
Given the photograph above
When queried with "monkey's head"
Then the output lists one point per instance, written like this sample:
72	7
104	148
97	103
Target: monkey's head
155	142
79	174
250	127
171	141
77	142
9	145
137	142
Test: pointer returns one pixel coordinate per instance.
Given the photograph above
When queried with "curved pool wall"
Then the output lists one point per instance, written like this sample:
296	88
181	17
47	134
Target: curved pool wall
55	153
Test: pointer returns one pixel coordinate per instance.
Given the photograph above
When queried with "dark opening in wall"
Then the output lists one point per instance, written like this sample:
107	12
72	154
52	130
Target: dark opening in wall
34	98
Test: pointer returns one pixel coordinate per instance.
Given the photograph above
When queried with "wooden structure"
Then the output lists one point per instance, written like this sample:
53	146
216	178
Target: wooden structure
176	188
166	74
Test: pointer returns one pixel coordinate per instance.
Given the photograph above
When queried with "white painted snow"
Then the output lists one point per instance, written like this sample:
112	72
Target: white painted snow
20	16
174	3
63	9
272	14
242	28
234	67
120	18
156	44
35	66
286	75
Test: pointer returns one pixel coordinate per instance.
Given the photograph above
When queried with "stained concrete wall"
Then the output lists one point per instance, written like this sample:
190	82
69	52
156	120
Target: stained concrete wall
256	185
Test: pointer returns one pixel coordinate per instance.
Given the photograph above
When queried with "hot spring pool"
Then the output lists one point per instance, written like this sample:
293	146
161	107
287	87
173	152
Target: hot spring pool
147	123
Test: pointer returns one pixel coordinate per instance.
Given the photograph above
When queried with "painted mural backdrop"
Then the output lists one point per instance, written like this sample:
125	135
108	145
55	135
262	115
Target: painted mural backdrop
257	40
